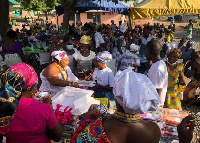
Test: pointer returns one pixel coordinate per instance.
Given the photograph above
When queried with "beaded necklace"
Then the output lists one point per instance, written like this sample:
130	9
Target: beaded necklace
127	118
62	69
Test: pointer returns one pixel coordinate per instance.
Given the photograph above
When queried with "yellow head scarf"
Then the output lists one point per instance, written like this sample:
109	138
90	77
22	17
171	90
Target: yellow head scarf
85	39
178	52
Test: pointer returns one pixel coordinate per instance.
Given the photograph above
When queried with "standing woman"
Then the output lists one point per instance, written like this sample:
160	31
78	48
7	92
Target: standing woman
83	59
176	82
189	30
120	43
144	39
69	48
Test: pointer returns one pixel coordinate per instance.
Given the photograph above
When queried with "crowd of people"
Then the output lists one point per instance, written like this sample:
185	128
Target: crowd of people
150	74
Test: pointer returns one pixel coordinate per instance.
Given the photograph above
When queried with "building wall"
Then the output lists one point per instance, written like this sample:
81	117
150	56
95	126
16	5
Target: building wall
105	18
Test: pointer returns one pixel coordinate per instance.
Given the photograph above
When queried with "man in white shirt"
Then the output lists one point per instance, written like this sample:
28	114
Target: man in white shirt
98	38
158	72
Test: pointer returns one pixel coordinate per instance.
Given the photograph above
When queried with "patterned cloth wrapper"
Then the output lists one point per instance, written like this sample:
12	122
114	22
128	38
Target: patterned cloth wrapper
17	78
104	57
58	55
177	51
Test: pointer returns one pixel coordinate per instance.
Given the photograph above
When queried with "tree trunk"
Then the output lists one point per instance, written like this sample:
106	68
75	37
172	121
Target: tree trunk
66	18
69	6
4	20
46	14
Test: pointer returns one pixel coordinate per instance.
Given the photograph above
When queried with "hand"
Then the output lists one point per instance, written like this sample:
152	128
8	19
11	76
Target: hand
75	85
185	129
47	100
92	109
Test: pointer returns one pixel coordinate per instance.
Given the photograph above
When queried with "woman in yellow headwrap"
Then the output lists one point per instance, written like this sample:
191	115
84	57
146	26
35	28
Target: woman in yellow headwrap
83	59
176	82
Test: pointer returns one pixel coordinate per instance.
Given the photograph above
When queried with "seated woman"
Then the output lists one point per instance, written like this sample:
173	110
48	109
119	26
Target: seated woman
125	125
22	118
12	47
103	76
176	81
69	48
189	94
187	51
57	75
83	59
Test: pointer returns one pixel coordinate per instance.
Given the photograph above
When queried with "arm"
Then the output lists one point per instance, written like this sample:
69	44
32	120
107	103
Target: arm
51	73
75	70
181	78
159	90
187	66
55	133
185	129
22	56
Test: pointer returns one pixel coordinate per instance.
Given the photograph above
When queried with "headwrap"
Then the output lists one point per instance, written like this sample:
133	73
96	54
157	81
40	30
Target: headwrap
85	39
58	55
134	47
135	92
103	57
123	28
177	51
15	79
190	42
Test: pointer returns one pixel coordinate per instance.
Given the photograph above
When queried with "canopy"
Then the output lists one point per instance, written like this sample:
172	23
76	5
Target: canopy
105	5
151	8
14	3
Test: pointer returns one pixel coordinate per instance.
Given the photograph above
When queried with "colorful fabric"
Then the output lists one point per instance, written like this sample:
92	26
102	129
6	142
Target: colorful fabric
190	92
58	55
177	51
17	78
169	35
85	39
90	130
173	98
104	57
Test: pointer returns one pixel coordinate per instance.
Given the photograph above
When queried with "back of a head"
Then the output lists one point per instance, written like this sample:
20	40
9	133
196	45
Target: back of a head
154	47
11	34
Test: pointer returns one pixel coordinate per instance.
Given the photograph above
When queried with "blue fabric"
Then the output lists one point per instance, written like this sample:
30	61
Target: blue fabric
97	5
102	93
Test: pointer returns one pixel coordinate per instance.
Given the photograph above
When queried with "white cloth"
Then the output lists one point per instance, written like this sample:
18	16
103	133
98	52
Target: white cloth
77	55
134	47
144	41
58	55
104	77
159	77
46	85
98	39
32	38
123	27
128	60
135	92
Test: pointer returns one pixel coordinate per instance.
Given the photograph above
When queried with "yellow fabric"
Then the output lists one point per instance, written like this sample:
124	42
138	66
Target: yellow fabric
151	8
85	39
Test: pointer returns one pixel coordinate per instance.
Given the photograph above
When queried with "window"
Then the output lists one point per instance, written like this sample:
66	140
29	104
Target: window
89	15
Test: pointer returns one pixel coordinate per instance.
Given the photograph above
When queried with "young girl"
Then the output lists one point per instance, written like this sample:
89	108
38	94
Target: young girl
103	76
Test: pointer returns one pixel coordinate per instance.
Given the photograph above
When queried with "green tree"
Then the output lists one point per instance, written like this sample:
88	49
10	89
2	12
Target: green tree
4	19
